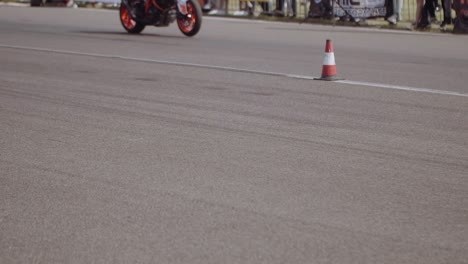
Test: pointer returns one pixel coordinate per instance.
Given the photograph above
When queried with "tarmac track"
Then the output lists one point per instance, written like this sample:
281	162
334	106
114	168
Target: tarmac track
221	149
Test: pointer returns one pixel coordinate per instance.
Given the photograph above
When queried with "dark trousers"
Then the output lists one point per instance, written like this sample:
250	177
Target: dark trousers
280	4
264	5
435	4
293	3
447	7
428	10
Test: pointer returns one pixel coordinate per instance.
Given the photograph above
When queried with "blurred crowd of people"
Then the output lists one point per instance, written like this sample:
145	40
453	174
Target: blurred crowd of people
282	7
425	13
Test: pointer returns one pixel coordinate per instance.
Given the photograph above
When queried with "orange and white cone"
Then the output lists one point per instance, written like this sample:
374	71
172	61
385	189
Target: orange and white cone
329	66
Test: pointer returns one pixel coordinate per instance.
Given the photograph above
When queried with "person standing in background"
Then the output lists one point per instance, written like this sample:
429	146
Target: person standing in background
460	23
427	15
419	10
400	6
291	8
396	8
279	8
265	6
447	8
432	8
320	9
291	5
218	7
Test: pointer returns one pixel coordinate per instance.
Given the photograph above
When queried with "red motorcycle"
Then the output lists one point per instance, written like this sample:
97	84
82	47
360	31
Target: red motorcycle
135	15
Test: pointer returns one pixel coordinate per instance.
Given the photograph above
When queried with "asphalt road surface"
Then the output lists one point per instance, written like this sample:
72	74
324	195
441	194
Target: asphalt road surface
158	148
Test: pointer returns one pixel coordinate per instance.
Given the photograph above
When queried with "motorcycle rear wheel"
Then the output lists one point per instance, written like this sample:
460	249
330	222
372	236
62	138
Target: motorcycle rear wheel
190	24
130	25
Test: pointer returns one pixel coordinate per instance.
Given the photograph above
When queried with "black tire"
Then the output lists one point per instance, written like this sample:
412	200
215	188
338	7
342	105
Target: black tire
130	25
36	3
190	26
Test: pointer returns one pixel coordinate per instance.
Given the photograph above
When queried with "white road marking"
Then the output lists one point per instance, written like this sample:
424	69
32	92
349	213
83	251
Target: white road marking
214	67
404	88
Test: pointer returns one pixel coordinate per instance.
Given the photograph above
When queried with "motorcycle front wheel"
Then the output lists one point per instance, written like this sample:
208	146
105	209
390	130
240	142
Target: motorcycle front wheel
130	25
190	24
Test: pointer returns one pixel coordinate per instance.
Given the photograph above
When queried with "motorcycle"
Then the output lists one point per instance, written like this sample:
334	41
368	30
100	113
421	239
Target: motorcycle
135	15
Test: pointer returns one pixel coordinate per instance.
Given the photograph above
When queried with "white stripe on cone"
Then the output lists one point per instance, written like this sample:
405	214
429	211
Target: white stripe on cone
329	59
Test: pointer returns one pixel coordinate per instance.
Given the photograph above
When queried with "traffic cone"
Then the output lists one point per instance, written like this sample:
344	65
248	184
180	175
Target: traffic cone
329	66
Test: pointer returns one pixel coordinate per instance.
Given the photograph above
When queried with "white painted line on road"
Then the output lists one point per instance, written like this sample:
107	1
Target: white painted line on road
386	86
404	88
145	60
357	83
